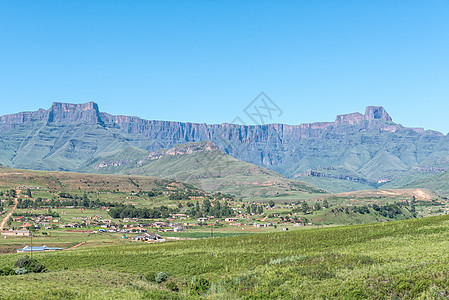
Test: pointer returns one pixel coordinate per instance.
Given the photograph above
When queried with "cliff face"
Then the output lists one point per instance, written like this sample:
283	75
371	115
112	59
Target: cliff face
67	113
67	135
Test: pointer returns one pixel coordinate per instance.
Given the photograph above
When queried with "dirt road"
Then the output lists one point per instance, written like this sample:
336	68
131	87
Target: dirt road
8	215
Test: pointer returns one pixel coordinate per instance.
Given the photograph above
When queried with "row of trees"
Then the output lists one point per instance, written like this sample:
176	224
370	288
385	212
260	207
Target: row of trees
388	210
83	202
208	208
306	208
130	211
255	209
48	213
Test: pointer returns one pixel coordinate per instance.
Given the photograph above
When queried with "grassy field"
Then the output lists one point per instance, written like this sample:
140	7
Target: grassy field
402	259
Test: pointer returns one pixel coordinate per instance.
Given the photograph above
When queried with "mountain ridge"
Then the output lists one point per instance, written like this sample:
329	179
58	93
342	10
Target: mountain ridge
89	112
369	146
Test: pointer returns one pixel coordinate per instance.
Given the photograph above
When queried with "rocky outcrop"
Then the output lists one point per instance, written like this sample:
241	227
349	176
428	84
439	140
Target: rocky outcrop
23	117
312	173
377	113
185	149
67	113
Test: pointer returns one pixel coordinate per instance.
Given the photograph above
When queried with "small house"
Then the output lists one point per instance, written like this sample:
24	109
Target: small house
231	220
149	237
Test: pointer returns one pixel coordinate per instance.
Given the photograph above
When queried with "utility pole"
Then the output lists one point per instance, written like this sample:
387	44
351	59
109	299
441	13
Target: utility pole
31	243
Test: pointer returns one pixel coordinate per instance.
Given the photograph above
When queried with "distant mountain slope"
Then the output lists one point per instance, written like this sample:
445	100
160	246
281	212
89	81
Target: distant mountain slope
438	183
203	165
365	148
381	195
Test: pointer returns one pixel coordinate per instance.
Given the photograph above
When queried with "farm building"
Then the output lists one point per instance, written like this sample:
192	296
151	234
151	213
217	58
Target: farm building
149	237
16	233
37	249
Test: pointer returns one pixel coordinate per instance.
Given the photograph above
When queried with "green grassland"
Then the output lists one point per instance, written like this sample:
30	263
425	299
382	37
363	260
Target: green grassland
61	239
402	259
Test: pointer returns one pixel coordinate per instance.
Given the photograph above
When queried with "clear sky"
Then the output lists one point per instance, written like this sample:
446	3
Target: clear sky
204	61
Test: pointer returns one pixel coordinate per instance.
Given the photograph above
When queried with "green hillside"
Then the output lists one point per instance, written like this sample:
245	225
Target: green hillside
203	165
335	185
395	260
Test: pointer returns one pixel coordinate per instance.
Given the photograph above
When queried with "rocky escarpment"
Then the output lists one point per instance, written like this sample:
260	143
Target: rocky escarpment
87	113
368	146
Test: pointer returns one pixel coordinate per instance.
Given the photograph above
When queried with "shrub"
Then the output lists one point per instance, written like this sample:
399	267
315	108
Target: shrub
30	264
172	286
20	271
161	277
151	276
7	271
201	286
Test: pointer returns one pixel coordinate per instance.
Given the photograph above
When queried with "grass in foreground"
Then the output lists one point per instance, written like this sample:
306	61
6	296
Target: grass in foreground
404	259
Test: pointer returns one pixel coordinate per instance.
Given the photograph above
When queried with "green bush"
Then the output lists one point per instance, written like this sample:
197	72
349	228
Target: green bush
161	277
20	271
7	271
150	276
172	286
201	286
32	265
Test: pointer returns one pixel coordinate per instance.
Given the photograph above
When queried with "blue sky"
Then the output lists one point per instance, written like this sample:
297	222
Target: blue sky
204	61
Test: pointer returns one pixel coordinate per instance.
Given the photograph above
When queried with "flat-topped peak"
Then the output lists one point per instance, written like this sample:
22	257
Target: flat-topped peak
377	113
72	107
371	113
69	113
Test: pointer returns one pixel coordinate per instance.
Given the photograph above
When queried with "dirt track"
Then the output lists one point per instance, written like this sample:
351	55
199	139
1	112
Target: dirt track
2	225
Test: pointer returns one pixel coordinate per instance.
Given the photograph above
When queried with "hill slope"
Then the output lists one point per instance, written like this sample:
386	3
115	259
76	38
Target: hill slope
66	181
205	166
438	183
404	259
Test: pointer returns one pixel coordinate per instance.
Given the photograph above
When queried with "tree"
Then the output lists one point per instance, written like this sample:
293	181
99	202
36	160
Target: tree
206	206
260	210
317	206
305	207
197	206
325	203
28	193
254	208
271	203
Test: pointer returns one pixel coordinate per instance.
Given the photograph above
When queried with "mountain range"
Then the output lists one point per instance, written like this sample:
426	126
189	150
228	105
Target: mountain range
356	151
